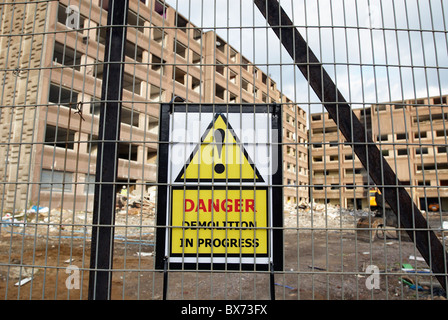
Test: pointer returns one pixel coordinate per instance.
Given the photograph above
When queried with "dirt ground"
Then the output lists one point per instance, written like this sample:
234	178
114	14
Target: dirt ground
318	264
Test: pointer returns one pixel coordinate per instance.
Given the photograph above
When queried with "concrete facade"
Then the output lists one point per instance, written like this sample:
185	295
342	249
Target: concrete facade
50	148
411	135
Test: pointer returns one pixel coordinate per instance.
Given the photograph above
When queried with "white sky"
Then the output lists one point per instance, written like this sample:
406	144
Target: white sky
375	50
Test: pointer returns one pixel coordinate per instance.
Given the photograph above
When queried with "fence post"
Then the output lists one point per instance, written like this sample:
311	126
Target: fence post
100	278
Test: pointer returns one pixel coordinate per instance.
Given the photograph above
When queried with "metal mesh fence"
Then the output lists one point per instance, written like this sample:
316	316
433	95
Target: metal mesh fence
361	89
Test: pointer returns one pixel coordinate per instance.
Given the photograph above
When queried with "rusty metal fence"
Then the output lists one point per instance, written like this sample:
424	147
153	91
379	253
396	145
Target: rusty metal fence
105	104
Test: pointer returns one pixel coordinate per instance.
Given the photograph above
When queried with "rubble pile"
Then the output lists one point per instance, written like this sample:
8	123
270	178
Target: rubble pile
134	216
321	216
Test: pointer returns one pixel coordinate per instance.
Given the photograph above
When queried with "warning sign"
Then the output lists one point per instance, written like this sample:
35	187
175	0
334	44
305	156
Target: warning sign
218	204
223	221
219	157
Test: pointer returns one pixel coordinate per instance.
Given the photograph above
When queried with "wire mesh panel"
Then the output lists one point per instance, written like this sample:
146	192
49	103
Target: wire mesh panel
362	91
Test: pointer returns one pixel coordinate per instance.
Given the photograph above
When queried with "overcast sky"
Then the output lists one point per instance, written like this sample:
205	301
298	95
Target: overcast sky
375	50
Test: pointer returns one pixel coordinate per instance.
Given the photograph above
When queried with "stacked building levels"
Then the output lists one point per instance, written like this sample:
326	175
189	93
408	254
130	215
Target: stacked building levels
412	136
52	88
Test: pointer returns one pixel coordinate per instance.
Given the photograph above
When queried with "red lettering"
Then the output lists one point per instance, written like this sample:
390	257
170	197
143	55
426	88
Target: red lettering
250	205
237	205
202	205
215	205
189	205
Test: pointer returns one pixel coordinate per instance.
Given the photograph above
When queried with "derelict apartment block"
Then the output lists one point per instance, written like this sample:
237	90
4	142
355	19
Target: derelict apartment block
411	135
49	121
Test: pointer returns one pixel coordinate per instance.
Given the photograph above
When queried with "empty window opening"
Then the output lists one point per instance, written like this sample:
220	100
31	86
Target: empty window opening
264	78
136	21
132	84
181	23
63	96
129	117
219	68
431	117
233	55
195	84
220	92
440	133
402	136
432	166
220	45
421	151
333	144
156	94
127	151
245	63
180	49
439	100
420	135
334	158
59	137
133	51
159	36
197	34
232	98
245	85
180	76
196	58
151	157
158	64
232	76
160	8
66	56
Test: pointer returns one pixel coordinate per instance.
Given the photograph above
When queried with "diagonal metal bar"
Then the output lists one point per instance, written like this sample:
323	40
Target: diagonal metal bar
353	131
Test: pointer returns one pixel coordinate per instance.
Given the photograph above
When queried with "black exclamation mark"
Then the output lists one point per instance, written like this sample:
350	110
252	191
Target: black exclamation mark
218	138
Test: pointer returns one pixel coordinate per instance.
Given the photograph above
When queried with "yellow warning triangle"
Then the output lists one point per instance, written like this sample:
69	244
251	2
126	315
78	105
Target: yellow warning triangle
220	157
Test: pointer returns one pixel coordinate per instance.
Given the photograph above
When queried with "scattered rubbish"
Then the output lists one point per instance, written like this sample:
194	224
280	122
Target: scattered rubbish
317	268
36	209
23	281
411	257
407	267
8	221
407	281
366	252
414	287
284	285
445	225
69	260
144	254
